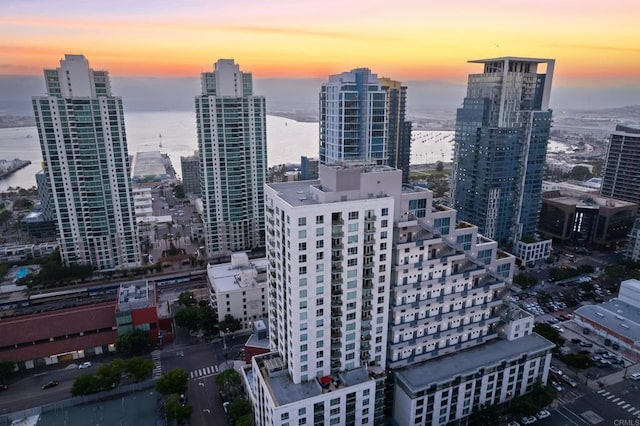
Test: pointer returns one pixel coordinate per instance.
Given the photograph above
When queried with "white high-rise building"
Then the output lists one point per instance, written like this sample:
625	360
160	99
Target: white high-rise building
353	118
86	164
231	126
329	252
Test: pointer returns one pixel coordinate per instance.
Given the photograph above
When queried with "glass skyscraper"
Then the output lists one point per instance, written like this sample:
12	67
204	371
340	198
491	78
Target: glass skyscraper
232	142
353	118
501	137
86	166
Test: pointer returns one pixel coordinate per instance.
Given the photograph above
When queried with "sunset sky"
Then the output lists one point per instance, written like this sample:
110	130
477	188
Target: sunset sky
594	42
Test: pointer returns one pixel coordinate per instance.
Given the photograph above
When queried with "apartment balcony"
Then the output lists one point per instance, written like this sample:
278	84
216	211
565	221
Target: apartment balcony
336	243
336	323
335	346
367	295
337	267
336	312
365	325
366	336
337	221
336	290
366	317
337	257
368	273
336	302
365	346
336	353
370	218
337	232
367	284
336	334
365	355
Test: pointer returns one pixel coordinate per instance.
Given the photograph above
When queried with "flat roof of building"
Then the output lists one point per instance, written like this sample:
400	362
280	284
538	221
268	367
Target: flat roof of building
421	376
149	165
614	315
296	193
284	391
584	201
511	58
227	277
136	295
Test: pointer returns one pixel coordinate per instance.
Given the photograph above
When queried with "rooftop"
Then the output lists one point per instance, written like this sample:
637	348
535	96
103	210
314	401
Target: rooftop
240	273
136	295
584	200
444	369
511	59
296	193
284	391
149	165
614	315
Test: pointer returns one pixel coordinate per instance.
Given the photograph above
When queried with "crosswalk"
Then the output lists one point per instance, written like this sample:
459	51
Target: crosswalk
204	372
568	396
614	399
157	364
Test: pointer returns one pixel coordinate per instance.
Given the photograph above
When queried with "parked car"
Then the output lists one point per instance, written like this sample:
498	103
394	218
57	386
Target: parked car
557	386
85	365
543	414
513	423
555	370
50	384
635	376
574	340
586	344
528	420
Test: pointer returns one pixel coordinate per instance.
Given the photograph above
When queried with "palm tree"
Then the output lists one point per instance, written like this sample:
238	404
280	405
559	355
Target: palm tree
177	237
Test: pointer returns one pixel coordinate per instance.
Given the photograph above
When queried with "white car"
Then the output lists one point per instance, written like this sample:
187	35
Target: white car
555	370
635	376
557	386
543	414
85	365
528	420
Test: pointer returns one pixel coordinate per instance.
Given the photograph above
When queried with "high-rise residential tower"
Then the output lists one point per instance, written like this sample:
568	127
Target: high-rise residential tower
329	267
232	141
501	137
621	174
86	163
190	167
399	130
621	177
353	118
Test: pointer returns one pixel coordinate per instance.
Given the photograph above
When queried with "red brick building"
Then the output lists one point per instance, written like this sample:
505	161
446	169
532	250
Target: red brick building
57	336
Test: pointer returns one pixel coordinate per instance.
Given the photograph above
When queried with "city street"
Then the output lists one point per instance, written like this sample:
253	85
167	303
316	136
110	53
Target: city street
203	360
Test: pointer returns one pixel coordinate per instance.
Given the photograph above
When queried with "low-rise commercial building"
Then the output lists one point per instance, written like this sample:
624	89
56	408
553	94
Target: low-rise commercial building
239	289
57	336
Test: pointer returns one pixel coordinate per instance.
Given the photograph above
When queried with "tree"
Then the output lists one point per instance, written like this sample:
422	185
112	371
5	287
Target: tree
239	408
6	368
548	332
139	368
133	342
439	166
579	361
179	191
244	421
109	375
85	384
230	323
174	381
525	280
188	318
229	382
580	173
187	298
208	319
175	410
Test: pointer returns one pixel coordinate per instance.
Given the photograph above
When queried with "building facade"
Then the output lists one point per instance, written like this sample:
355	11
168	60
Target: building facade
329	261
308	168
190	167
501	137
232	142
585	219
399	130
621	174
86	164
239	289
353	118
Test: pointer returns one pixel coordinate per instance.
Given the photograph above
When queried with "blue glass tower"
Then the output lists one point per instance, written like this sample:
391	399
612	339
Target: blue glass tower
501	137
